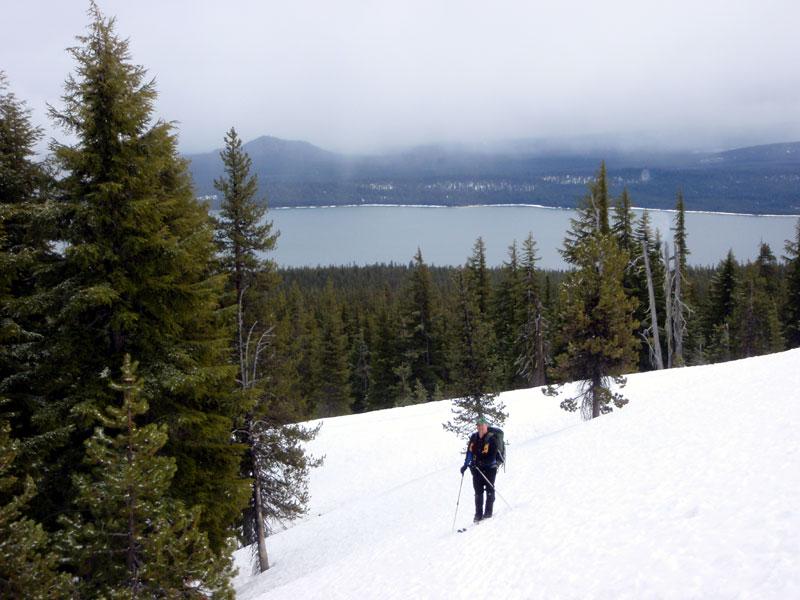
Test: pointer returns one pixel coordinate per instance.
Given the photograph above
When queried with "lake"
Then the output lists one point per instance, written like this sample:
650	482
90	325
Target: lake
362	235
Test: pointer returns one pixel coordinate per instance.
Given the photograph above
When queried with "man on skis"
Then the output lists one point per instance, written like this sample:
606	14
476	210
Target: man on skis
482	462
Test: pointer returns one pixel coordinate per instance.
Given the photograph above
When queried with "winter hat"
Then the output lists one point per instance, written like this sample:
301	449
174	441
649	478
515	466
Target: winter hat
482	421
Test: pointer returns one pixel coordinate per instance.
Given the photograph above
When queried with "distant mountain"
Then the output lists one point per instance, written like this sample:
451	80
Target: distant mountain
758	179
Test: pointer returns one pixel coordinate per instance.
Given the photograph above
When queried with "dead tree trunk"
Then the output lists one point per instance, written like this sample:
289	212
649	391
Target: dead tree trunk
679	325
668	281
655	348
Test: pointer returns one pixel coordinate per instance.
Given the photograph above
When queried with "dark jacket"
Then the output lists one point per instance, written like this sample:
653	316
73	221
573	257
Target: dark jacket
482	453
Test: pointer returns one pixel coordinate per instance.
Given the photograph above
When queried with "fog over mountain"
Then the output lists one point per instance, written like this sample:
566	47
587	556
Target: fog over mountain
550	172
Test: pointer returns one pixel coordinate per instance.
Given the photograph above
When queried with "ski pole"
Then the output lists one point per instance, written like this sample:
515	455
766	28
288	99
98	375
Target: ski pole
457	501
493	488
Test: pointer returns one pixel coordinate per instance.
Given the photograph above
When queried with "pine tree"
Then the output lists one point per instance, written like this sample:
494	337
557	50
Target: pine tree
597	326
333	391
27	566
681	235
476	264
530	343
473	361
422	343
275	459
135	279
622	223
719	308
384	353
129	539
241	232
755	323
361	372
25	233
792	308
508	313
300	354
591	216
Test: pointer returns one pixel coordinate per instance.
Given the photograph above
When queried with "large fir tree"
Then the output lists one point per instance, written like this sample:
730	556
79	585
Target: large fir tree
135	278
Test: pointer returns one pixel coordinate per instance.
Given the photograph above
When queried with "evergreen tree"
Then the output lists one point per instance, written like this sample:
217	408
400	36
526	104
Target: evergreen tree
301	352
591	216
508	313
333	390
384	353
719	309
476	264
755	323
24	245
129	539
27	567
473	361
423	346
792	307
597	326
135	279
530	344
361	372
274	458
622	223
241	232
680	236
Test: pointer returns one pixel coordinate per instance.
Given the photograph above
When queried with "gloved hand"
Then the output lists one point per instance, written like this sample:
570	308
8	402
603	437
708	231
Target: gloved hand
463	468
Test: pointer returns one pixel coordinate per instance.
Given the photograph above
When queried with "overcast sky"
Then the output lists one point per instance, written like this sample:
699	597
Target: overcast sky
355	76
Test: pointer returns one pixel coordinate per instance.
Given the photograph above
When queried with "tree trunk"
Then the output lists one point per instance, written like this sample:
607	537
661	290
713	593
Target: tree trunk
596	381
263	561
653	313
677	327
539	374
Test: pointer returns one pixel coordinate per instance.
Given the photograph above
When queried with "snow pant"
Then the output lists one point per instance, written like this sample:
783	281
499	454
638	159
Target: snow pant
479	484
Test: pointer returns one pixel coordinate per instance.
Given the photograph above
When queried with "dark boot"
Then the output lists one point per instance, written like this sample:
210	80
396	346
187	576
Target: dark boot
478	508
487	514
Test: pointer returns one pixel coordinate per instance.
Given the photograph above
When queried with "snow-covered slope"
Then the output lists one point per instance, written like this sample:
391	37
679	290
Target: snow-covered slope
690	491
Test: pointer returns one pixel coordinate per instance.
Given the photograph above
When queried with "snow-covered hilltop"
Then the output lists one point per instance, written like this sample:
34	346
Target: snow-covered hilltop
690	491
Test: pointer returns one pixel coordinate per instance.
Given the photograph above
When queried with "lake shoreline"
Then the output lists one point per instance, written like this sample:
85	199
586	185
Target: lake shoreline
521	205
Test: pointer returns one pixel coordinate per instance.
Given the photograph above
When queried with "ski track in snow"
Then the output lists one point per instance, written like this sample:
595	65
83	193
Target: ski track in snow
690	491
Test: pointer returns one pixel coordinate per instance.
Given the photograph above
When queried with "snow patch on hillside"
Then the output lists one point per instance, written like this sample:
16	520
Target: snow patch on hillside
690	491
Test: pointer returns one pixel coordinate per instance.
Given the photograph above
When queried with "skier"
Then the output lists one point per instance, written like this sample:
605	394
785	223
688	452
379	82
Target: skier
482	462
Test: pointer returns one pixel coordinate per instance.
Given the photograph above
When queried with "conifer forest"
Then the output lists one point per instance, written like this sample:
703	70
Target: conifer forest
156	366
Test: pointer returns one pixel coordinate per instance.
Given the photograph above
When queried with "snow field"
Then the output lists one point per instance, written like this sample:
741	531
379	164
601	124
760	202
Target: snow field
690	491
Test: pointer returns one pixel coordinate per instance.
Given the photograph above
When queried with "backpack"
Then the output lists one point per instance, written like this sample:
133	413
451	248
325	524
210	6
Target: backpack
501	444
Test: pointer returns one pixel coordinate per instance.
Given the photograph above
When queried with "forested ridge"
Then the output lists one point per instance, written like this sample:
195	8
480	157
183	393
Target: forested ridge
156	367
733	310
